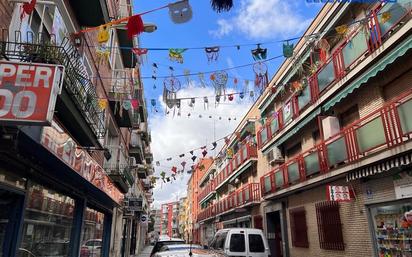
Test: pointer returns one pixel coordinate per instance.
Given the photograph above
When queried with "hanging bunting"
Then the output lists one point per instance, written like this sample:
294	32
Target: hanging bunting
191	152
126	105
174	169
186	73
183	165
385	17
169	159
230	97
174	176
259	54
192	102
202	79
222	5
182	155
261	76
180	12
214	146
204	153
27	8
176	54
102	104
205	103
158	163
134	26
103	34
194	158
163	176
135	104
212	53
141	55
287	49
103	53
219	82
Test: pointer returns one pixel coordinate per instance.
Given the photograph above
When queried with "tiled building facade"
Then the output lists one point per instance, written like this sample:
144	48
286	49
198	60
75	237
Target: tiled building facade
337	113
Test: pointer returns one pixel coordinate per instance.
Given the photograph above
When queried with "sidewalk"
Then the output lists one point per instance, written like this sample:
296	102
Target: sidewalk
146	251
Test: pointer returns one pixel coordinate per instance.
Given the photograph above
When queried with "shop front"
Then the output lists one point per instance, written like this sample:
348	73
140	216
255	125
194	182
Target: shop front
387	192
56	199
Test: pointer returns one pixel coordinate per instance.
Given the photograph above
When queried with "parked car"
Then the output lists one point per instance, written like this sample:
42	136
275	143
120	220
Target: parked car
165	241
58	248
190	252
91	248
179	247
241	242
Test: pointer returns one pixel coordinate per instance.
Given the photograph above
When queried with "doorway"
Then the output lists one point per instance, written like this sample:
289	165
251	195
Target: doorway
11	205
274	233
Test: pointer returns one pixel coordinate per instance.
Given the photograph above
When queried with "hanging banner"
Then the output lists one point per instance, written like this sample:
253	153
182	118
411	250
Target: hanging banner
28	92
339	193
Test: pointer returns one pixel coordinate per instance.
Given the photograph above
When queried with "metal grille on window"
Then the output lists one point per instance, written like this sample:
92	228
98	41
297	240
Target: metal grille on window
329	226
299	228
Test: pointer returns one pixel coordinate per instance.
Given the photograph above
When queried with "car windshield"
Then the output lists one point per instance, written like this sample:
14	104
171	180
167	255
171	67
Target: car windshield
160	244
179	247
50	249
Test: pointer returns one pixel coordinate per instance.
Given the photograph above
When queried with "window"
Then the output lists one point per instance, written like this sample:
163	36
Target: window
237	243
294	150
219	241
92	234
256	243
349	116
329	226
47	223
298	227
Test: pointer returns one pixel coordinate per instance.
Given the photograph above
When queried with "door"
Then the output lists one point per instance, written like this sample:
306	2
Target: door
11	205
274	232
237	244
256	245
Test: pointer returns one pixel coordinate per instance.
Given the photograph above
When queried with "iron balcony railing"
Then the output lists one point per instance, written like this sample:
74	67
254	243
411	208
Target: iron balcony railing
42	48
387	127
245	153
247	194
209	188
344	58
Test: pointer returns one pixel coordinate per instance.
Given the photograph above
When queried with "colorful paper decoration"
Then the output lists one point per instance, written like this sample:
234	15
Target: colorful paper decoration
27	8
194	158
102	104
191	152
169	159
158	163
174	169
103	52
385	17
183	164
287	50
140	51
214	146
135	103
134	26
230	97
212	53
204	153
202	79
206	102
182	155
259	53
219	82
103	34
261	77
222	5
342	29
126	105
176	55
180	12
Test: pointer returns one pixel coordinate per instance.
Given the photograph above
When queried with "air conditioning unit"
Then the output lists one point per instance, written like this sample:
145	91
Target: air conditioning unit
275	156
132	161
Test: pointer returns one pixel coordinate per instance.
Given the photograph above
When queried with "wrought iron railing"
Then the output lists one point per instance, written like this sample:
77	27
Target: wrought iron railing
42	48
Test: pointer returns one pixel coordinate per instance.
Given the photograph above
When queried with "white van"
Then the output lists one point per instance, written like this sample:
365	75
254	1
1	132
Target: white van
247	242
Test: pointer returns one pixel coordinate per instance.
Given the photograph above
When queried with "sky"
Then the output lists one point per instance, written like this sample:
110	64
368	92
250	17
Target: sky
250	22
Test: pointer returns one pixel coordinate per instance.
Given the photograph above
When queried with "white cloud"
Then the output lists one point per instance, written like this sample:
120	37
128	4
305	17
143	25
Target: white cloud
172	136
264	19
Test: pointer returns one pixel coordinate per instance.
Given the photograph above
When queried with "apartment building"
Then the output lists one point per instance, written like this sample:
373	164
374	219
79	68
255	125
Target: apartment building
334	152
70	166
170	219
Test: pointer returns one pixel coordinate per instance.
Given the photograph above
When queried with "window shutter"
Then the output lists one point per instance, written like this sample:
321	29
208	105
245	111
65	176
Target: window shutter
329	226
299	229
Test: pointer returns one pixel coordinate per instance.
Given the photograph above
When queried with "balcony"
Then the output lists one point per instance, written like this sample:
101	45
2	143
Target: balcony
383	129
148	155
121	177
347	55
121	89
248	195
146	183
76	106
142	171
90	13
207	191
240	162
136	147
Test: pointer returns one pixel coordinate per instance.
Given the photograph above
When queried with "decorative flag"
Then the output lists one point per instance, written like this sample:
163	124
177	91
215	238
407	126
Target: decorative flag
134	26
174	169
191	152
180	12
183	165
214	146
157	163
103	34
222	5
182	155
127	105
102	104
287	49
135	103
27	8
194	158
169	159
204	153
230	97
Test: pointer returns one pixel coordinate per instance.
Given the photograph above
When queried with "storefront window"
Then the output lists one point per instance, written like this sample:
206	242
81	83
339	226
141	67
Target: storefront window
92	234
393	229
47	223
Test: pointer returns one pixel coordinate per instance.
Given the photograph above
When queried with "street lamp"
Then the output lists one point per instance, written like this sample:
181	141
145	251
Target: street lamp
150	27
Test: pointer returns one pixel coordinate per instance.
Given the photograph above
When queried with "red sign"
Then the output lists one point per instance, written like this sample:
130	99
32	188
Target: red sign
339	193
63	146
28	92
